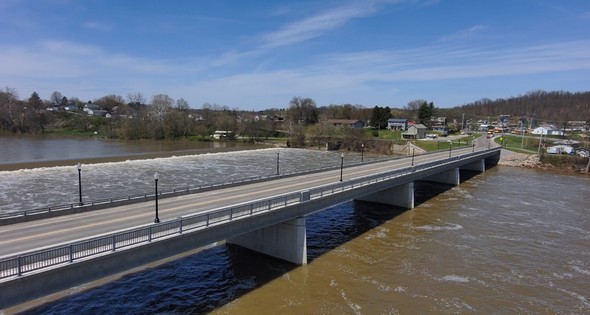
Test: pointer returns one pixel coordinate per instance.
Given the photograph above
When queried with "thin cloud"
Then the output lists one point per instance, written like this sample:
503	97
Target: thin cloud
466	33
316	25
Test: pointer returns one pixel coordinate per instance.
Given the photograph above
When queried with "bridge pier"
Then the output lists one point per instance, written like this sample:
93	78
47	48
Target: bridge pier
450	177
401	196
478	166
286	240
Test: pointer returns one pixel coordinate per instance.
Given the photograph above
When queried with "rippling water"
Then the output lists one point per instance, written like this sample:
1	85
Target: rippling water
33	188
509	241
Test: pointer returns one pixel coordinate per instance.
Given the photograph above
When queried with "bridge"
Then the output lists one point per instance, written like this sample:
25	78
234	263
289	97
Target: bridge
39	257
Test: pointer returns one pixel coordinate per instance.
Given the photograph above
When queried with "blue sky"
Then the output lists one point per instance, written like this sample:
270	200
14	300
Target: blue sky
255	54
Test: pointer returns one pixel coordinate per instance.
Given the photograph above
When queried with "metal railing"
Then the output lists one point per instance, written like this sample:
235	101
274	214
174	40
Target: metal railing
41	259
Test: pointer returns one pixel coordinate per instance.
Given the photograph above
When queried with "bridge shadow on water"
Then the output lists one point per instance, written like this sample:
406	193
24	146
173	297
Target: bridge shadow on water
214	277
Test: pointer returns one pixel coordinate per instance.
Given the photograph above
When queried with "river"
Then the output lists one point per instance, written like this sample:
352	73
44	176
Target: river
508	241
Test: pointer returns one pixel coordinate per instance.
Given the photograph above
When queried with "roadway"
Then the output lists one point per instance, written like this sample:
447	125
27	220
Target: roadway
37	234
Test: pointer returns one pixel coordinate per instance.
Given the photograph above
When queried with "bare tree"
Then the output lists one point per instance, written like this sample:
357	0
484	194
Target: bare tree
136	98
303	110
412	108
159	107
56	98
8	108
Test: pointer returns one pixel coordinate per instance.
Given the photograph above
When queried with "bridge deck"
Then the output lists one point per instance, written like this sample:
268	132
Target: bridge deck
27	236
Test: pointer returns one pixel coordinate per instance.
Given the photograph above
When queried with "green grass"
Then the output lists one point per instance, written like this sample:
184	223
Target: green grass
519	144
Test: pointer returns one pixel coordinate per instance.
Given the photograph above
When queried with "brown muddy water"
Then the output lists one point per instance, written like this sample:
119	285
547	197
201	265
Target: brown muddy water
508	241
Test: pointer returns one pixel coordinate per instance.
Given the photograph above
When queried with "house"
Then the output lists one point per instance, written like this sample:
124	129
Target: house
397	124
547	130
417	131
222	134
346	122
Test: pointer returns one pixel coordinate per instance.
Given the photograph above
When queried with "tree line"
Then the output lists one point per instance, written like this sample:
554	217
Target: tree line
162	117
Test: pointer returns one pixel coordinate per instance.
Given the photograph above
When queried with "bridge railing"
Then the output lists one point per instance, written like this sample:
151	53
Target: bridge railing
46	258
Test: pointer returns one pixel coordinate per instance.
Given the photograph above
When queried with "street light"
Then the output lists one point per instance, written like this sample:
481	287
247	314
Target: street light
413	157
450	147
341	164
79	166
277	163
362	151
156	220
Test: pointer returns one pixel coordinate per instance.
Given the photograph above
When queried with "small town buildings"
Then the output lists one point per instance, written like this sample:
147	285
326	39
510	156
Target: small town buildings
346	122
547	130
417	131
397	124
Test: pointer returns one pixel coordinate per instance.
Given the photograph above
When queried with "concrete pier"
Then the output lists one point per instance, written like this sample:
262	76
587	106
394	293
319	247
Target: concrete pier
286	241
401	196
450	177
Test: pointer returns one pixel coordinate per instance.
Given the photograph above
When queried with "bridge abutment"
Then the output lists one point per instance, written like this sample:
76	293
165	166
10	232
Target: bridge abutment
400	195
286	241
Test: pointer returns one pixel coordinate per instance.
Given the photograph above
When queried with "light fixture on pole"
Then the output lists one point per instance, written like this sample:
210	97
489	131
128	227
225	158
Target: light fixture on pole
362	151
156	176
277	163
341	165
79	166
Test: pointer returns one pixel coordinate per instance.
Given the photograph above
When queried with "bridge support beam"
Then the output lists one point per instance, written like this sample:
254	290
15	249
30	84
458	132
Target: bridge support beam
401	196
286	241
450	177
478	166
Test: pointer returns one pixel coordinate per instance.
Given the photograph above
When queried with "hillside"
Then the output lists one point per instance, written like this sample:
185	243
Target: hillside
550	107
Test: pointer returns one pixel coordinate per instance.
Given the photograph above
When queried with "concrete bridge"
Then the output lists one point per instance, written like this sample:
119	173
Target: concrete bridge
44	256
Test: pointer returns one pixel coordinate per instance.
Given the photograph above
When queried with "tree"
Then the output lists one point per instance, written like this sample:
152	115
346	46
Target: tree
136	98
412	108
303	110
39	118
425	114
56	98
380	116
159	107
185	120
8	109
109	102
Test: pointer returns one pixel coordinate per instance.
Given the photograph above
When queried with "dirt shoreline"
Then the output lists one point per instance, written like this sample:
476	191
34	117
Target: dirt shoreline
515	159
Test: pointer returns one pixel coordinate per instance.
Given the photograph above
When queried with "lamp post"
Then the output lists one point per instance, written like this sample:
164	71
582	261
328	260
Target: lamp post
277	163
362	152
157	219
79	166
341	165
413	157
450	148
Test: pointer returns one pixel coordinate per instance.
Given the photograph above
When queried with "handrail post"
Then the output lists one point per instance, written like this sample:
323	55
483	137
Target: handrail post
19	266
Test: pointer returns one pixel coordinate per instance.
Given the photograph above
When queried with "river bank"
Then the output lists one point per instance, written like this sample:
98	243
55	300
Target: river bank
533	161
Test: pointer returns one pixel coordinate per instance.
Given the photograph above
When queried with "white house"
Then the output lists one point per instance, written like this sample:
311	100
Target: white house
547	130
397	124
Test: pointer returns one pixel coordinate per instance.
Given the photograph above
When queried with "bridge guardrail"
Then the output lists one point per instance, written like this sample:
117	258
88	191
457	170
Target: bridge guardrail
46	258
